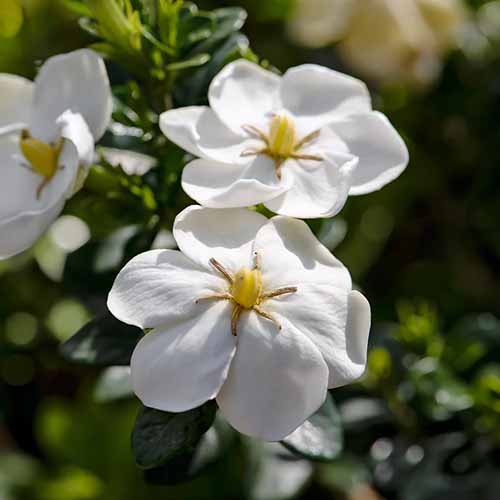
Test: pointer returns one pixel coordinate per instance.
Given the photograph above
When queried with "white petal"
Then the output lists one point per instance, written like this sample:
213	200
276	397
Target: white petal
318	95
225	235
23	216
21	232
16	94
222	185
358	329
180	367
76	81
292	255
382	153
159	288
75	128
18	189
198	130
277	380
242	93
320	191
335	319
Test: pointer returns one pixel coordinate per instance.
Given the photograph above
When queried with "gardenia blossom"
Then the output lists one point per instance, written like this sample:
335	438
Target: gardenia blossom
253	312
47	133
299	143
388	40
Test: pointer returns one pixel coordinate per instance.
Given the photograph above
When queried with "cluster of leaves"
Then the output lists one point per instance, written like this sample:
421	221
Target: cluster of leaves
163	42
431	404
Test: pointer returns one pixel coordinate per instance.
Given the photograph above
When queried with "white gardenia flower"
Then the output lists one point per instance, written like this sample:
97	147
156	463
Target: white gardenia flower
47	132
300	143
253	312
388	40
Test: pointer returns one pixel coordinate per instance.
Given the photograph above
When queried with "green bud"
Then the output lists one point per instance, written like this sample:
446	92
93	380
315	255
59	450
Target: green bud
120	25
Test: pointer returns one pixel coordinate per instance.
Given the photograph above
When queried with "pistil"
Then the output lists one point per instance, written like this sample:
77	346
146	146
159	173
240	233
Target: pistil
281	143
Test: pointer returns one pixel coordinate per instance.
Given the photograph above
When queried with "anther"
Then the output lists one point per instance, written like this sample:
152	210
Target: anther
268	316
280	291
307	139
221	269
235	316
214	296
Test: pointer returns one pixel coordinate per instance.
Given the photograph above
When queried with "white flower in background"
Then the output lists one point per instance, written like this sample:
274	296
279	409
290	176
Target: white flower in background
300	143
388	40
47	132
253	312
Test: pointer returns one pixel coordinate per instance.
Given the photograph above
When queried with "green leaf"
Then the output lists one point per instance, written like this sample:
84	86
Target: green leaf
320	437
193	62
193	89
104	341
114	383
212	446
161	436
78	7
275	474
227	22
90	26
11	18
93	267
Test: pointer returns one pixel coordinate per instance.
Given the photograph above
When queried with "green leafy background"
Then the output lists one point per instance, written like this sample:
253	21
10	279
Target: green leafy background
424	421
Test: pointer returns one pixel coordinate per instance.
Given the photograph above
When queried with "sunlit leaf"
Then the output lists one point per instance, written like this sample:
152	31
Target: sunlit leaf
276	473
320	437
114	383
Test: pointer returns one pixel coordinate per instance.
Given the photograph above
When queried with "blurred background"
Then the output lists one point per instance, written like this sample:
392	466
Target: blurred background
425	419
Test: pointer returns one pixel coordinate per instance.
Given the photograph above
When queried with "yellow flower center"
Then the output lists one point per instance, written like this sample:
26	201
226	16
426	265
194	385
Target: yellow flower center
247	287
246	292
282	136
42	157
281	142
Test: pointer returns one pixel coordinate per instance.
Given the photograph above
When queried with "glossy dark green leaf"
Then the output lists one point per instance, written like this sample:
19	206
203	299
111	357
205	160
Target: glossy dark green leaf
211	447
194	26
114	383
192	88
104	341
319	438
161	436
101	259
227	21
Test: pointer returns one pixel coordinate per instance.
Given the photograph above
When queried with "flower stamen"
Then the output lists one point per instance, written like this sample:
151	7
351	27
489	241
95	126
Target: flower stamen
307	139
221	269
235	317
246	292
279	291
268	316
256	132
216	296
281	142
